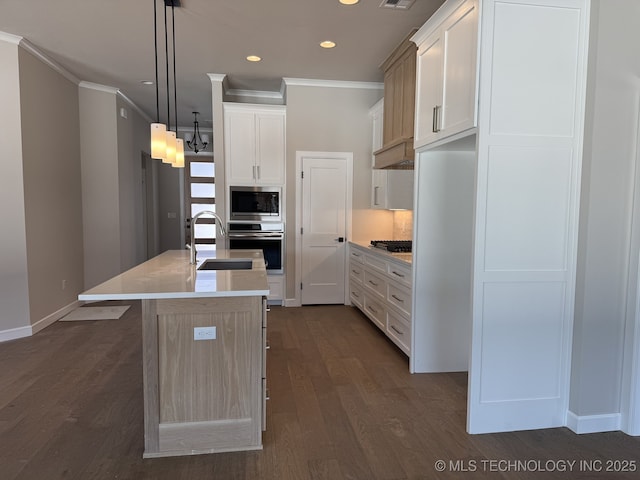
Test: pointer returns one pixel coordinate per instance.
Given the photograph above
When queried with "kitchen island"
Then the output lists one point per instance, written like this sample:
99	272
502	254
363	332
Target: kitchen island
204	351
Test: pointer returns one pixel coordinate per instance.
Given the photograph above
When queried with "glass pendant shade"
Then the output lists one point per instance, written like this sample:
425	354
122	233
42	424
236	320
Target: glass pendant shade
171	148
179	163
158	141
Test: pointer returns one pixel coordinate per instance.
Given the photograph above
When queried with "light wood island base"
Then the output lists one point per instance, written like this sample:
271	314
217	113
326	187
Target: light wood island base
203	396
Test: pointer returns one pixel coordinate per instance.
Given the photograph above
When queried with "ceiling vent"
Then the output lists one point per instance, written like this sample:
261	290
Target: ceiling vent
397	4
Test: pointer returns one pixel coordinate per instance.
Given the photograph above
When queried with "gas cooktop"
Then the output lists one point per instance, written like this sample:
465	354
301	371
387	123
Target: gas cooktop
393	245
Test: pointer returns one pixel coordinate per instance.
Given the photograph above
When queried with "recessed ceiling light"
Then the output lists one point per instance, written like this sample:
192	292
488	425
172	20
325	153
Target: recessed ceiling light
349	2
254	58
327	44
146	82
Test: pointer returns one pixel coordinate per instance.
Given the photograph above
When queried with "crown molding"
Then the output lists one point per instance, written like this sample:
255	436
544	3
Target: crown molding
234	92
8	37
216	77
311	82
33	50
118	92
99	87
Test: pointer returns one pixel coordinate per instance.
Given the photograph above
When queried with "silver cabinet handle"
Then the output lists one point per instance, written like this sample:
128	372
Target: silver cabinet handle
258	170
266	395
355	294
434	120
267	346
397	274
396	330
371	309
398	299
355	271
375	195
373	283
355	254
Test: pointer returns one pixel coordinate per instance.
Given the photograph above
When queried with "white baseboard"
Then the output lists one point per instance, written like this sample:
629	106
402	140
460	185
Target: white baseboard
21	332
292	302
593	423
49	319
14	333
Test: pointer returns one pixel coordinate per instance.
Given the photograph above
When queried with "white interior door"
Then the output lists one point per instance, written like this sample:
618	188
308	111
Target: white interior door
324	216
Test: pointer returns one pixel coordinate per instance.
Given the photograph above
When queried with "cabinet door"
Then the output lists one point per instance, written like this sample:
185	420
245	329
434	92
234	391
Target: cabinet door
429	89
459	93
378	189
239	147
270	148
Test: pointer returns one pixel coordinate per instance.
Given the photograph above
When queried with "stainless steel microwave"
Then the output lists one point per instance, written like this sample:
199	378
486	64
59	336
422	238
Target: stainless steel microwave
255	203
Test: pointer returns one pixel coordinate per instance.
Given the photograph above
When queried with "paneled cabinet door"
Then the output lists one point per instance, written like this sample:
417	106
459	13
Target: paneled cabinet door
270	148
239	146
254	144
446	81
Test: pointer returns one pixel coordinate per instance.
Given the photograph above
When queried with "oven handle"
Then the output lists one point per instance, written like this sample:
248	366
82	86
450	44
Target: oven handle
256	235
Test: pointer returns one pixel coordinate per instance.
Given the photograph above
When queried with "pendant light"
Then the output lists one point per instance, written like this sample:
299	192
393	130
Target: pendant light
158	130
164	142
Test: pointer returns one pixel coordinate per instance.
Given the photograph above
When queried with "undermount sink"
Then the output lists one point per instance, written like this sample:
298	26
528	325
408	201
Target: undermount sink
226	264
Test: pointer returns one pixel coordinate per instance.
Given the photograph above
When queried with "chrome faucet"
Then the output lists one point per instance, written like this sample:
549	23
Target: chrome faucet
192	247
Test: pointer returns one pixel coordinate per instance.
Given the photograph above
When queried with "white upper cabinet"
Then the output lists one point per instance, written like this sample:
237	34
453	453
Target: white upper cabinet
446	77
254	144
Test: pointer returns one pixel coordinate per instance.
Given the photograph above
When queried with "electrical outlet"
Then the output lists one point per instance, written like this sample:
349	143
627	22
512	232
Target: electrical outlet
64	284
204	333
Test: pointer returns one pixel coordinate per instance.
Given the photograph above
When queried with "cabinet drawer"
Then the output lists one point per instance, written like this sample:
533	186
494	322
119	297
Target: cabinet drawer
399	330
375	283
400	273
265	397
376	263
265	347
375	311
356	255
400	297
356	272
356	295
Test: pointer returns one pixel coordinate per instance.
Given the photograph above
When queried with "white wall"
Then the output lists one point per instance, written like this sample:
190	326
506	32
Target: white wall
14	293
605	220
330	119
52	191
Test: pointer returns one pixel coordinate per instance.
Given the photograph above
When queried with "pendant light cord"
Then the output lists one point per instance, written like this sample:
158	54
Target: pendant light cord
155	50
166	53
175	85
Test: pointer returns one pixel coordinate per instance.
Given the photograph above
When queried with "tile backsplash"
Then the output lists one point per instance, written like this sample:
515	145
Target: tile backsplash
402	225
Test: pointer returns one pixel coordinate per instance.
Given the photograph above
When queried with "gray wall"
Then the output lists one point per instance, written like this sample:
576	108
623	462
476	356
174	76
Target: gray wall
52	192
14	292
605	217
100	192
330	119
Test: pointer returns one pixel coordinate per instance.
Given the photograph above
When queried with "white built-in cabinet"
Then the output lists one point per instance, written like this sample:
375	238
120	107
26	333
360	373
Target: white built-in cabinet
497	203
380	286
446	79
254	144
390	189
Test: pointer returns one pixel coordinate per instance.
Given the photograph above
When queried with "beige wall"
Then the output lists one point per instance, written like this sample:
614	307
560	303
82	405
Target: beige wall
14	293
52	192
330	119
100	192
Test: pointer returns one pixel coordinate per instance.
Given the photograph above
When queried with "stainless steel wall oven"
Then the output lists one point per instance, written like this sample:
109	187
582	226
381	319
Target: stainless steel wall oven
268	237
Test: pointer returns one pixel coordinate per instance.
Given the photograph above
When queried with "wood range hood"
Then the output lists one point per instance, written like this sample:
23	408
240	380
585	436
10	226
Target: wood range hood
399	106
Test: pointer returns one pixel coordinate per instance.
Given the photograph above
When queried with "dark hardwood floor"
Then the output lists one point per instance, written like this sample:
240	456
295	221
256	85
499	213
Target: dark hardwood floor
343	406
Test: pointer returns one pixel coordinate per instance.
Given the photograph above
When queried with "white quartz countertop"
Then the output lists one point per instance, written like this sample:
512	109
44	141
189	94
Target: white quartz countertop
170	275
404	257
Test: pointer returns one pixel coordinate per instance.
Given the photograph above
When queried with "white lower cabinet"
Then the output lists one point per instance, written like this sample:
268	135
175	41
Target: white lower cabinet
276	289
380	286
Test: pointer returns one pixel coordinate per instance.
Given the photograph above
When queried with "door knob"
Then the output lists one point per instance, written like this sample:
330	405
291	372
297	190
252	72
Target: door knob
339	239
